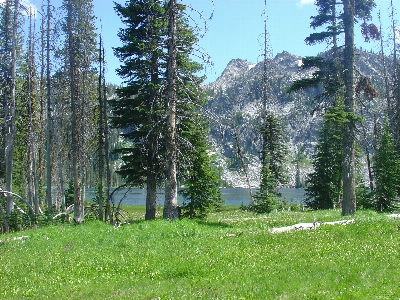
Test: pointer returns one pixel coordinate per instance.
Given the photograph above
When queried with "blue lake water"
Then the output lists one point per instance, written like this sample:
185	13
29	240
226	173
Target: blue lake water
232	196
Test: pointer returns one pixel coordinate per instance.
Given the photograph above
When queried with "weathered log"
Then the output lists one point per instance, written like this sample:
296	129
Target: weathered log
309	226
15	239
32	211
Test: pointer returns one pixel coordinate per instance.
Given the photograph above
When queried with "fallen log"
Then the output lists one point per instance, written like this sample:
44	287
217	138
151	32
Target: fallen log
299	226
309	226
394	216
15	239
342	222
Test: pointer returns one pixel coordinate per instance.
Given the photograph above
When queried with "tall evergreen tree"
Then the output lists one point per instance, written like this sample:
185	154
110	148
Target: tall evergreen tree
336	74
324	184
140	102
273	150
142	107
386	169
273	159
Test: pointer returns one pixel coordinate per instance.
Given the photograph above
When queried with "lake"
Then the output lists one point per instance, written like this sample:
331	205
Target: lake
232	196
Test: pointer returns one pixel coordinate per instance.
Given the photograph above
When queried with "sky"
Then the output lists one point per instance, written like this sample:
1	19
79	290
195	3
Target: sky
235	29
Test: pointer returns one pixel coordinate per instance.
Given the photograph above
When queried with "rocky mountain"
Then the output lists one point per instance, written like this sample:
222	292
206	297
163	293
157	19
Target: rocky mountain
235	107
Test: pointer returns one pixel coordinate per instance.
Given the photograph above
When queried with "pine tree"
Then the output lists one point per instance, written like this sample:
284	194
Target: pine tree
201	192
143	106
386	170
272	172
273	150
140	102
336	79
324	184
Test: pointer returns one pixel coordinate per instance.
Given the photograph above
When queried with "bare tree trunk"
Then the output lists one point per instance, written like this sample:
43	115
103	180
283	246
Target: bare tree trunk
244	167
60	193
9	110
171	201
349	195
101	133
49	129
385	74
396	82
76	132
32	182
106	151
151	194
42	93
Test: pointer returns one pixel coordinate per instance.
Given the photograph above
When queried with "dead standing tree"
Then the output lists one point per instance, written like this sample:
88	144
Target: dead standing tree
171	201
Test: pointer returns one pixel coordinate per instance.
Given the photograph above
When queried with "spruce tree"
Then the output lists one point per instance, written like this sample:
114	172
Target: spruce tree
324	184
201	192
274	151
272	172
142	106
336	74
140	102
386	170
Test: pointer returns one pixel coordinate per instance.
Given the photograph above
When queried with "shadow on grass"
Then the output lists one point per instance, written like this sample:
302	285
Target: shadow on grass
213	224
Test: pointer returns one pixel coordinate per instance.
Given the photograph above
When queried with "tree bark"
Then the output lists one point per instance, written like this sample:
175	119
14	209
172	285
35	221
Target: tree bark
171	202
349	195
151	195
101	133
9	109
76	132
49	129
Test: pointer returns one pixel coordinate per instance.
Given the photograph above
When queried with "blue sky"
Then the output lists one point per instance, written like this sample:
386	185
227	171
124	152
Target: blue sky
235	31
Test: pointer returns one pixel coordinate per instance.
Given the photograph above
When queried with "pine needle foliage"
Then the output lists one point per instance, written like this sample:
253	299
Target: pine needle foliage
386	169
272	171
324	184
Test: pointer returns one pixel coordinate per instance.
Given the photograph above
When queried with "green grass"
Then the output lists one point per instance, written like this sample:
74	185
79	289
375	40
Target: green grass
194	259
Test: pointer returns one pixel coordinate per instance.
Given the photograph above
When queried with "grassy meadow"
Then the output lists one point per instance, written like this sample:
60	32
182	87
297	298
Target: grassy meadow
229	255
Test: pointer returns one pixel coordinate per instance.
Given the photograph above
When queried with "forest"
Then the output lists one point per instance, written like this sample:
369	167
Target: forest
64	128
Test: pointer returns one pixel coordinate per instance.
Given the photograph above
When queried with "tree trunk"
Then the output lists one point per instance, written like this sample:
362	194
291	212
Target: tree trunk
76	132
151	195
396	82
32	182
49	129
349	195
171	201
101	133
106	153
9	109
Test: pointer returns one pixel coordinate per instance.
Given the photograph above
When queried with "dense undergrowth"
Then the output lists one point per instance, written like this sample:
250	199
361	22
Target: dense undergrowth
229	255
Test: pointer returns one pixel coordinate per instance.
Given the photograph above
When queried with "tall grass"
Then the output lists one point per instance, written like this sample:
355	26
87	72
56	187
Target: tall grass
230	255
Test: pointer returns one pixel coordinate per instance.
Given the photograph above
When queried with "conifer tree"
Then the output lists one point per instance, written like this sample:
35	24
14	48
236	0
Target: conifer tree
386	169
140	102
274	151
324	184
337	80
201	192
143	109
273	159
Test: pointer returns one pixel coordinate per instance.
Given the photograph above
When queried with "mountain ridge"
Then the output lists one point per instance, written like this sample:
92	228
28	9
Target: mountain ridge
235	101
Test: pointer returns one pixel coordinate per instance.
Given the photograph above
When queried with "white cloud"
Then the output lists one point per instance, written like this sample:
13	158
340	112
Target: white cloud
304	2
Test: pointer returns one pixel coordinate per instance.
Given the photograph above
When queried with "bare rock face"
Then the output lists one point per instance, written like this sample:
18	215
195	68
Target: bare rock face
235	109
